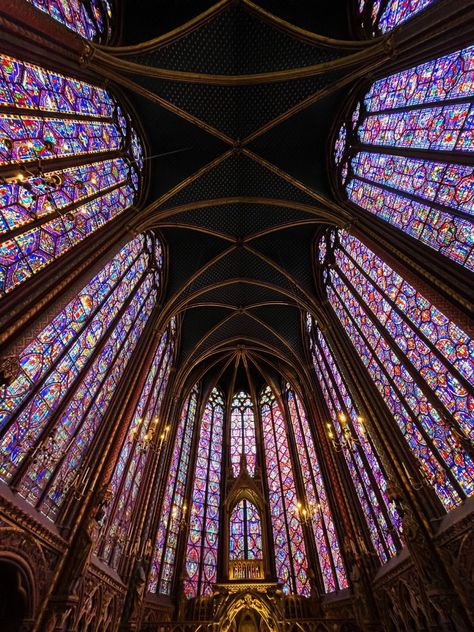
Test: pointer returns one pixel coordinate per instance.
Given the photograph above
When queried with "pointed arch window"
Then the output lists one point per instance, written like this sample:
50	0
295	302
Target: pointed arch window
384	16
89	18
245	529
290	551
53	411
128	472
419	360
361	457
392	160
242	433
173	510
74	164
203	540
327	545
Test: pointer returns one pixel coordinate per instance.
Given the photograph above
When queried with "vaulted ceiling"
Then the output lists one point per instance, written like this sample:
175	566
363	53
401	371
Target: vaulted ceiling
237	102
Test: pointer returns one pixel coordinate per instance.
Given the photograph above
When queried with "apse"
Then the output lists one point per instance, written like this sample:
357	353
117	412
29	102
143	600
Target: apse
236	358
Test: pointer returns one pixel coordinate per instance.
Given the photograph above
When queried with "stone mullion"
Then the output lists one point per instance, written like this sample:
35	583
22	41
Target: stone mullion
51	424
24	312
429	273
363	458
82	511
157	479
392	447
308	532
90	454
411	196
446	416
395	308
415	420
183	534
124	424
139	528
266	521
45	319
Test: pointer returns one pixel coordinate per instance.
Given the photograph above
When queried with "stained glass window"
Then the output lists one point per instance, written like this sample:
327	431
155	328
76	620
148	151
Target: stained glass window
316	503
203	539
89	18
390	162
245	529
242	433
52	412
347	427
146	428
420	361
49	203
290	551
173	510
385	16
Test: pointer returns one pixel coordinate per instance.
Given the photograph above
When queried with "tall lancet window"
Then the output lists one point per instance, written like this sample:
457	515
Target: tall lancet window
245	530
347	427
74	164
173	510
52	414
89	18
420	360
145	428
203	539
317	505
386	15
242	433
290	551
392	154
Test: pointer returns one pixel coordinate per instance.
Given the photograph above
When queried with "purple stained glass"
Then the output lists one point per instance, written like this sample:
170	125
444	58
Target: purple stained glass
173	509
290	552
58	208
327	545
53	341
362	460
24	85
29	423
242	433
245	532
203	539
430	200
397	310
74	15
396	12
145	427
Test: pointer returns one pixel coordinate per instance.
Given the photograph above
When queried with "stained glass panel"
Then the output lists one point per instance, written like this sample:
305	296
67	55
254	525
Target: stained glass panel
173	510
327	545
418	359
290	552
48	210
428	198
87	19
242	433
369	481
203	539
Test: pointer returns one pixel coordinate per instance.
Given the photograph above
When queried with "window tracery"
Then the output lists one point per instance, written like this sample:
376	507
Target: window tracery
360	455
203	539
242	433
89	18
129	469
173	510
48	205
316	504
386	15
404	154
419	360
290	550
68	375
245	532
